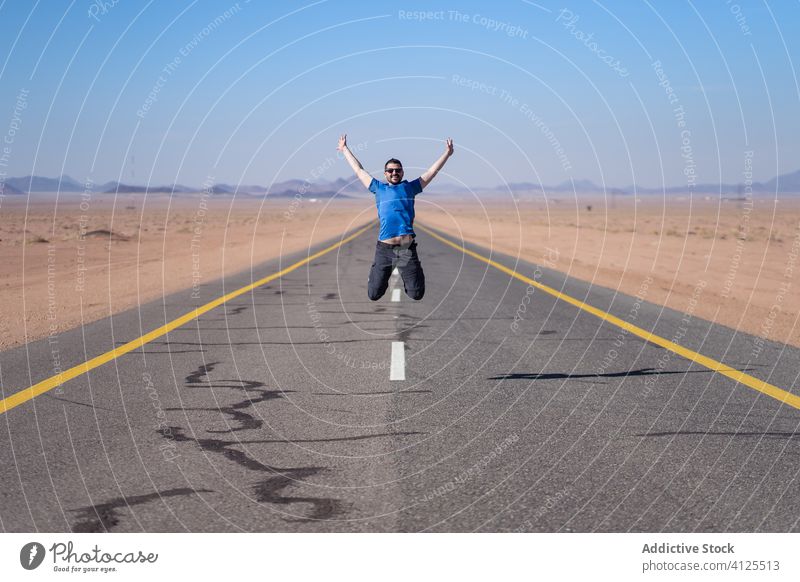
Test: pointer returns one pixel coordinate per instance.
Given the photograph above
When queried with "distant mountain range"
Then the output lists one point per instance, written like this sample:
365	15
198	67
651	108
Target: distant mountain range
10	190
289	188
783	184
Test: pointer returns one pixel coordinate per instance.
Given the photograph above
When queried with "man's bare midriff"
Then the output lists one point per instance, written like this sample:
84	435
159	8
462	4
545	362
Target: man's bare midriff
404	239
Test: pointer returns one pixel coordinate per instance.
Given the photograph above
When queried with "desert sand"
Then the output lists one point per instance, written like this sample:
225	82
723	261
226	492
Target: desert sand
739	258
69	263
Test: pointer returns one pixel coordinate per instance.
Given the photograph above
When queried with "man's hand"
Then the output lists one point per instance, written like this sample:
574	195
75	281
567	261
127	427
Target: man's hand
426	178
359	170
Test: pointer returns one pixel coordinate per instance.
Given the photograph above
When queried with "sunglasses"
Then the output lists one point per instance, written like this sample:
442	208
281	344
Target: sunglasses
394	170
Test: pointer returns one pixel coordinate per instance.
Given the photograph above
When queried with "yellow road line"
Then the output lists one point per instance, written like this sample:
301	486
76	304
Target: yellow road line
777	393
40	388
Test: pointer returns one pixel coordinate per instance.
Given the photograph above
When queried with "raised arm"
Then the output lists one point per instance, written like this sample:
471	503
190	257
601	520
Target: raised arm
361	173
426	178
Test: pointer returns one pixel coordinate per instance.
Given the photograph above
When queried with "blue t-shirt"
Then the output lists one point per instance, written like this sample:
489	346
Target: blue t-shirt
395	206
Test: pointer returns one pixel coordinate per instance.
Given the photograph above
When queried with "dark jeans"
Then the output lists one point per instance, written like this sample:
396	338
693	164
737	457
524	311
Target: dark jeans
405	258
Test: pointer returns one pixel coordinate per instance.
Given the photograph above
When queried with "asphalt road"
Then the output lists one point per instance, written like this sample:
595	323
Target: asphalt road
518	412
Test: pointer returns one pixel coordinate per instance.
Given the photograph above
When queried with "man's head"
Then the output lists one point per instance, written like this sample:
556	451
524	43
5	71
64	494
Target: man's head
393	170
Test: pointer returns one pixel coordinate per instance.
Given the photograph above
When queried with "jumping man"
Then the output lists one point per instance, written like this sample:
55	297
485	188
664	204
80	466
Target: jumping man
395	201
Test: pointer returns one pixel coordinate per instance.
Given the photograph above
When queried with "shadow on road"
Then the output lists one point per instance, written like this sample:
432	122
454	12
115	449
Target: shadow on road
767	434
559	376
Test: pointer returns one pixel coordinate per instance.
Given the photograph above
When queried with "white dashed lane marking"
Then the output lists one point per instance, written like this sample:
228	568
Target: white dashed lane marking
395	290
398	369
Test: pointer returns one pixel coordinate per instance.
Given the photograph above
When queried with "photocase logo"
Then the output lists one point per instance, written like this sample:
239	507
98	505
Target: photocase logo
31	555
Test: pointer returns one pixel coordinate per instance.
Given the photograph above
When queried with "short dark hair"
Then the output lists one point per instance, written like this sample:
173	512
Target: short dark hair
393	161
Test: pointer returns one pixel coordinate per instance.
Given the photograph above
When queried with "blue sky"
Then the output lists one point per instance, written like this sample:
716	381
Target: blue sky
256	92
